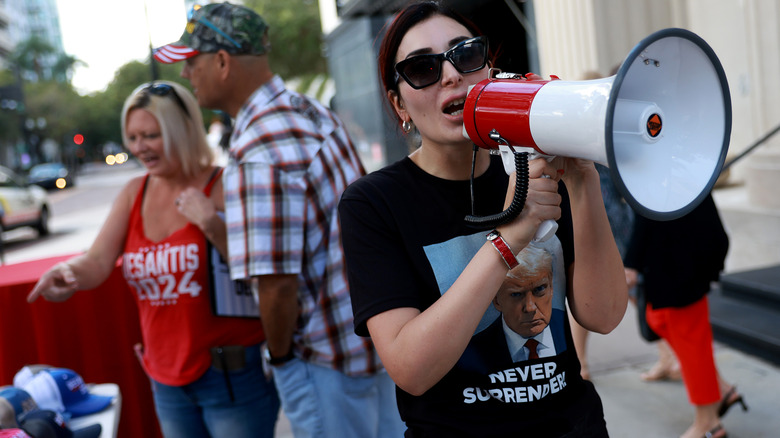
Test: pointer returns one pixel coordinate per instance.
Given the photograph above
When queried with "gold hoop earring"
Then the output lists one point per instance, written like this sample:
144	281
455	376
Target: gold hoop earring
406	126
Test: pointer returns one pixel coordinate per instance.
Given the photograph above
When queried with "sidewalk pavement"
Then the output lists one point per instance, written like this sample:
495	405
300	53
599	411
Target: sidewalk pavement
661	409
634	408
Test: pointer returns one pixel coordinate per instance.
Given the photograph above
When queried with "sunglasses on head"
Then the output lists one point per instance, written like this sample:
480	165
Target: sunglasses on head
163	90
423	70
191	19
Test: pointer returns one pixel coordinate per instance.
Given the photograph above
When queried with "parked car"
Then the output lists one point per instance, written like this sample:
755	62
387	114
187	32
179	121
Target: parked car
51	176
22	204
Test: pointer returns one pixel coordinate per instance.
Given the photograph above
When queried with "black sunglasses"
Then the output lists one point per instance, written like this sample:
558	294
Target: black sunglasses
163	90
423	70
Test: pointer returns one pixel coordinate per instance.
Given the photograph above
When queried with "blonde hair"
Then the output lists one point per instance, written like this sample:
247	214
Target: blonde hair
532	260
181	124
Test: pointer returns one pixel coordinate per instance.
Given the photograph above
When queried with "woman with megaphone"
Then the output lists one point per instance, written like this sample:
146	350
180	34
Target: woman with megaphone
424	280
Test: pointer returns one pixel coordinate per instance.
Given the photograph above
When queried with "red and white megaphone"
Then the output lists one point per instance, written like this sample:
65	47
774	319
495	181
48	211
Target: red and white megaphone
662	124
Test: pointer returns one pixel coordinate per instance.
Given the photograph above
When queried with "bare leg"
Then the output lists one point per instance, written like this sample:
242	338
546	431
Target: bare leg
666	368
580	336
706	417
705	420
729	397
725	387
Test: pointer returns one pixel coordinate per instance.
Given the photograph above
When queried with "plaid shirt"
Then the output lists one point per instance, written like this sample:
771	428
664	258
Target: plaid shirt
290	160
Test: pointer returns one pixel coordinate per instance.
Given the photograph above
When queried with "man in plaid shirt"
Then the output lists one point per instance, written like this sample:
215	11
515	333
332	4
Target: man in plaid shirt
290	160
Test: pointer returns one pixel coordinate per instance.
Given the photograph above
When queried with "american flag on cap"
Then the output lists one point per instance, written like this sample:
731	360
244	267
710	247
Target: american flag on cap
171	53
235	29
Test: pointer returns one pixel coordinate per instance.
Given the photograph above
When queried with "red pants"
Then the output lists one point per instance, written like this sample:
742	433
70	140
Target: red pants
689	334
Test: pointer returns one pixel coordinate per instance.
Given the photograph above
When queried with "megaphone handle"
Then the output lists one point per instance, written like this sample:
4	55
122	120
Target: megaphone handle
546	230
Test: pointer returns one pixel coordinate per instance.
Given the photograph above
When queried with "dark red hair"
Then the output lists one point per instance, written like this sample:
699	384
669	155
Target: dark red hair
409	17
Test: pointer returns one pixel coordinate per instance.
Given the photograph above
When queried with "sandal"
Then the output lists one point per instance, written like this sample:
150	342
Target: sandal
713	433
659	372
727	402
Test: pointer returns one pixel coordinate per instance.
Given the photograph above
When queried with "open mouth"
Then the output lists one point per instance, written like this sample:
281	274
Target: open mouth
148	159
455	108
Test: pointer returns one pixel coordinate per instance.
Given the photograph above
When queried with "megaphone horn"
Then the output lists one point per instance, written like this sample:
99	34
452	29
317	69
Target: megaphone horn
662	124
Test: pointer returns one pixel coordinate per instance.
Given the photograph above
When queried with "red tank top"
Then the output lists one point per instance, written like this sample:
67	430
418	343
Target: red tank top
170	281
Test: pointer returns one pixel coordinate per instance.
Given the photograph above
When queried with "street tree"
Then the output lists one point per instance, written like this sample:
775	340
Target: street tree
296	54
31	57
296	37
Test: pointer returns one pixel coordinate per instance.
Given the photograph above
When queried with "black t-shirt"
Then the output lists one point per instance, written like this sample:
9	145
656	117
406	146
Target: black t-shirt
681	257
405	241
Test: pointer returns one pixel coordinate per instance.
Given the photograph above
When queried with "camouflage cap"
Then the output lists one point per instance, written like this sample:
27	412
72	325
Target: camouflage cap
218	26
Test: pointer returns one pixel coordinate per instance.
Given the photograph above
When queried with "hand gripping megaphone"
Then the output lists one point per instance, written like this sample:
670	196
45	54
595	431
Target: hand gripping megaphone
661	124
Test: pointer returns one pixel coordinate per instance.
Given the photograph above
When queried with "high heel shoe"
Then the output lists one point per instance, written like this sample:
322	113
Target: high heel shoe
727	403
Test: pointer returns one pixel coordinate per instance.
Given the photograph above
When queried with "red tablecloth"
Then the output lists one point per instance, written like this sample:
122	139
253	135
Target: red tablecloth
93	334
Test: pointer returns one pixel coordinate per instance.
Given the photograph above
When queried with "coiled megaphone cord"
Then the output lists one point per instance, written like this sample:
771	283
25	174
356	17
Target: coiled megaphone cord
518	201
475	148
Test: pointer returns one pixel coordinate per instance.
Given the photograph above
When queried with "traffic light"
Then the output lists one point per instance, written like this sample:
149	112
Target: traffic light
78	139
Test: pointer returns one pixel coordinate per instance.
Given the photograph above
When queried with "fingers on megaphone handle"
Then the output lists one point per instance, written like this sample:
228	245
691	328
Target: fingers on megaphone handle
545	166
548	227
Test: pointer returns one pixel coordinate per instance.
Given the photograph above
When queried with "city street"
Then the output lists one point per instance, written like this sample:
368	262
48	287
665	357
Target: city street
76	216
632	407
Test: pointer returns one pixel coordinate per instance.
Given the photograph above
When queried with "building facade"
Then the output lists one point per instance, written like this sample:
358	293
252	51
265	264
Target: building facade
39	19
6	43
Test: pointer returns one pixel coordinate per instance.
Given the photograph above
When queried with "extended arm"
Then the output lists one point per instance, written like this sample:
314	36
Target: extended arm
598	295
90	269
